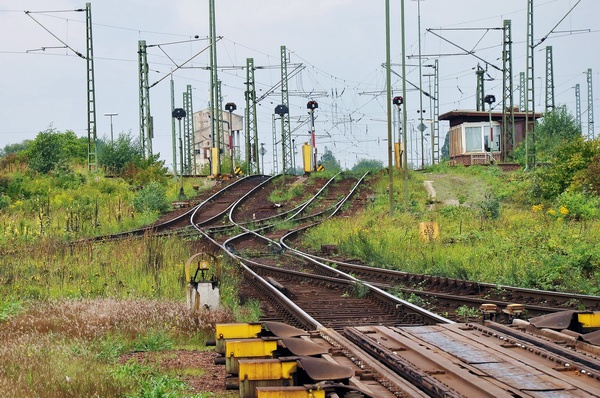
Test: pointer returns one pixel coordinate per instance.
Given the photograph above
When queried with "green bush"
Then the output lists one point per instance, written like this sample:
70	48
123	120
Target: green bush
4	201
151	198
51	148
578	206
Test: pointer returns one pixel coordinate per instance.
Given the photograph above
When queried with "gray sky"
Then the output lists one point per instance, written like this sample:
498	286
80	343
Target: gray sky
340	43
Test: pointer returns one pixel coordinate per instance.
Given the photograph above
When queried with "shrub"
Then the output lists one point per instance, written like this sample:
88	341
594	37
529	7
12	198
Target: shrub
151	198
578	206
490	207
51	149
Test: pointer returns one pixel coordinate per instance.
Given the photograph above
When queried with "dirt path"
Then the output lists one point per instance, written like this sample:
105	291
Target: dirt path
454	190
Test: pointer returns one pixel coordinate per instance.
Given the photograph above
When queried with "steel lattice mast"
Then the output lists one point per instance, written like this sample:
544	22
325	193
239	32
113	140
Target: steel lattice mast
480	88
215	113
173	133
508	107
435	133
590	102
529	93
549	80
275	142
286	136
578	107
252	162
188	130
91	92
145	117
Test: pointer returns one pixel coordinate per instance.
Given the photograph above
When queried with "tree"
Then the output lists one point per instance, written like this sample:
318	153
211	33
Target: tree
555	129
573	166
15	148
51	149
365	165
329	161
118	154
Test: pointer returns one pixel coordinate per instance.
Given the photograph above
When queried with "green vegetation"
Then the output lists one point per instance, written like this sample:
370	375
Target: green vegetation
536	229
72	310
499	234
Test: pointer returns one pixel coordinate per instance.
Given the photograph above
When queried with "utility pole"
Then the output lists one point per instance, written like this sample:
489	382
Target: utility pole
480	97
91	92
529	93
251	121
111	114
312	106
435	131
286	135
508	105
404	115
275	144
578	108
179	113
215	125
388	101
230	107
422	126
173	133
590	101
188	124
145	117
549	80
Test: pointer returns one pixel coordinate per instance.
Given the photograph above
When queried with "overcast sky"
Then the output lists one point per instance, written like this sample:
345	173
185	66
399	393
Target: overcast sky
340	44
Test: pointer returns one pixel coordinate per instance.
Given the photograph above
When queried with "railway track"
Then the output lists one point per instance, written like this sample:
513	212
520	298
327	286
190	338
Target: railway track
436	290
393	347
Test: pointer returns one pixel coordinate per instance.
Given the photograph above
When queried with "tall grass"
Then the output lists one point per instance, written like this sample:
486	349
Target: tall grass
72	348
516	246
47	209
68	313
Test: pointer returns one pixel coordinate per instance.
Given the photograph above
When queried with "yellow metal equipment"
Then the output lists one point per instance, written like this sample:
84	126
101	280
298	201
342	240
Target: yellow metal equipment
247	348
235	331
289	392
267	369
214	161
307	158
255	373
398	150
589	320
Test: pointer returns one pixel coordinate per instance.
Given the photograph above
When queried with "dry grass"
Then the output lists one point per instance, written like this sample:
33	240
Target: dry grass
70	348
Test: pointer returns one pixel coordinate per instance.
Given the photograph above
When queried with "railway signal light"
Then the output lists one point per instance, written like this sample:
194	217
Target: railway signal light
398	100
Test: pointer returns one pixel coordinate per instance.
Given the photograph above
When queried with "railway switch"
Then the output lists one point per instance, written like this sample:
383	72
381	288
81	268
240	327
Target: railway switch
289	392
233	331
247	348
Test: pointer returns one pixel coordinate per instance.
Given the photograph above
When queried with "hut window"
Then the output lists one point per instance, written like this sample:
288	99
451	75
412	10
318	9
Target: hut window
473	139
477	137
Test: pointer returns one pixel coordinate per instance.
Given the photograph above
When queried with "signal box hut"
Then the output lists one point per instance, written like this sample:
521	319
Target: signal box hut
470	136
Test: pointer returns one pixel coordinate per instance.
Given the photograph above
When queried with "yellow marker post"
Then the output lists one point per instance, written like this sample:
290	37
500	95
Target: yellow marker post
429	231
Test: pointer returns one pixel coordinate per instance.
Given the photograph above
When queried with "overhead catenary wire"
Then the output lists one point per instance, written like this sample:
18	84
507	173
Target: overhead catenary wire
28	13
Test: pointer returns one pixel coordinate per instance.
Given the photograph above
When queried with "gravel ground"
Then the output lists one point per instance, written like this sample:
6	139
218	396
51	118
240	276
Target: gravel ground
185	364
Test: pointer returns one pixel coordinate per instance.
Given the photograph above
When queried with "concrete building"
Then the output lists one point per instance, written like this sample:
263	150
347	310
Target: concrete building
203	138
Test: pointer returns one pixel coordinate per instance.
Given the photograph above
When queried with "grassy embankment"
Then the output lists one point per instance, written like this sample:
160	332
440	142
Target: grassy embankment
498	234
69	312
